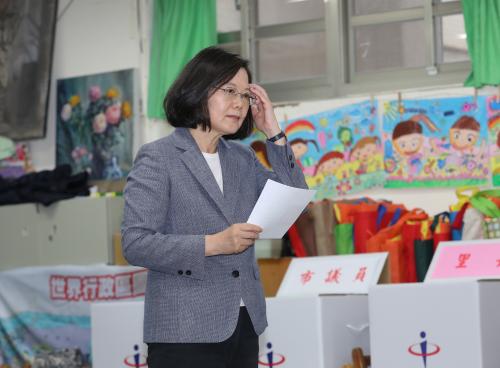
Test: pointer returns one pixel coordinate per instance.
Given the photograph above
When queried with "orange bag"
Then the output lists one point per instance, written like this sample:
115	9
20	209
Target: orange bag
389	213
390	240
396	250
365	225
345	209
441	227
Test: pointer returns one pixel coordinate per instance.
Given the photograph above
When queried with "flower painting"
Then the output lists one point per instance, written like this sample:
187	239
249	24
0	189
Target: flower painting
95	124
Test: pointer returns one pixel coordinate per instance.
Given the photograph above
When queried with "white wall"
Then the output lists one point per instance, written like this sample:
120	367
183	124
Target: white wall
95	36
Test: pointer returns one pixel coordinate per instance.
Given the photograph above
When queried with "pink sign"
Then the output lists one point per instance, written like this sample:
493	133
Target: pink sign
467	260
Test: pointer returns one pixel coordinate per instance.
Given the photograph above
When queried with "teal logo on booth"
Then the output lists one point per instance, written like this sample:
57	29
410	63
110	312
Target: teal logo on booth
424	349
135	360
271	358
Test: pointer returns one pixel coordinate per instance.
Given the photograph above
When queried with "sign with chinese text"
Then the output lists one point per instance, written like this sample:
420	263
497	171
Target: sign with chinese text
477	259
346	274
53	304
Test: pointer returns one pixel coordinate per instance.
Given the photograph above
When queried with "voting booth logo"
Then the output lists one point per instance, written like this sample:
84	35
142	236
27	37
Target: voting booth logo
271	358
135	360
424	349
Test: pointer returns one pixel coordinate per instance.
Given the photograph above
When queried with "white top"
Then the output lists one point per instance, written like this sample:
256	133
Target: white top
213	162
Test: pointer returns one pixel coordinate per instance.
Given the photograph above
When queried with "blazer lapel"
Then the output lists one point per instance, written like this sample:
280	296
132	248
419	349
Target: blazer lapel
197	165
230	176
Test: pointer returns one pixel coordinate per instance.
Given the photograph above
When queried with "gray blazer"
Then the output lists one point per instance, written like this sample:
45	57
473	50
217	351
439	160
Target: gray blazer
171	202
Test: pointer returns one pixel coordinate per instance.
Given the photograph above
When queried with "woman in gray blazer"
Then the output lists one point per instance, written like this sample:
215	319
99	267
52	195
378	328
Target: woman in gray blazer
187	201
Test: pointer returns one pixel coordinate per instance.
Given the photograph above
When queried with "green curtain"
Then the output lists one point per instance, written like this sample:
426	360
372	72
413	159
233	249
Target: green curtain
482	25
181	28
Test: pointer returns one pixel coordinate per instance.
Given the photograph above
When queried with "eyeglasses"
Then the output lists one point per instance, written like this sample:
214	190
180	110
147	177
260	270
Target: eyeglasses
246	97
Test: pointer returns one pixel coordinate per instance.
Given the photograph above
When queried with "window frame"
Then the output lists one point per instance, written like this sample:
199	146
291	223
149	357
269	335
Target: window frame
341	79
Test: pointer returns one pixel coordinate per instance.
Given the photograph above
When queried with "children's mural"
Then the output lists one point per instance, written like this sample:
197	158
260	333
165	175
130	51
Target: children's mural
493	110
339	151
438	142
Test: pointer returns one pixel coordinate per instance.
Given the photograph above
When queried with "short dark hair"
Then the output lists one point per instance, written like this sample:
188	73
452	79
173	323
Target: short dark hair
467	122
186	102
406	127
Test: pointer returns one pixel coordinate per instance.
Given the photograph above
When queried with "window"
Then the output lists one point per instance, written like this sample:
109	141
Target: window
229	25
316	49
389	46
393	44
291	57
272	12
363	7
451	39
286	43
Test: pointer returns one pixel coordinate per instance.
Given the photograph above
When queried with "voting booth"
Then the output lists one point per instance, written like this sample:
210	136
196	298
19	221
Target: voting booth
321	311
116	335
450	320
319	315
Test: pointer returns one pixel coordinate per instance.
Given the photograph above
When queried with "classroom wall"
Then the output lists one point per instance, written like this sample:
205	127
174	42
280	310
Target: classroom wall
92	36
95	36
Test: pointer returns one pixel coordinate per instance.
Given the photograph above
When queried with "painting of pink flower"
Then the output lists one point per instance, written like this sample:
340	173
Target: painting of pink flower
113	113
94	124
95	93
78	152
66	112
99	123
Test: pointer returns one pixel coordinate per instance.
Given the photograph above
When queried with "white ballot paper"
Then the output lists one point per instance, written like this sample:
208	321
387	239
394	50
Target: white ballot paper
278	207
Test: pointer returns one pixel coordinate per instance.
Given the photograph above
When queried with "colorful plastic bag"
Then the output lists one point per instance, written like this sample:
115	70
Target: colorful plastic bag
391	240
441	228
365	225
424	251
487	202
324	226
344	238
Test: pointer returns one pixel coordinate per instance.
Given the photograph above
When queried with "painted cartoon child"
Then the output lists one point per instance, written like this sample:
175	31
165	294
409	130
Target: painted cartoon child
408	141
364	152
464	135
496	159
330	163
300	148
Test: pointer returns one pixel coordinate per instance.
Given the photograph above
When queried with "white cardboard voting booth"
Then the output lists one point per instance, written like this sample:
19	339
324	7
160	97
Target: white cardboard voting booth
321	312
314	331
451	320
304	331
116	335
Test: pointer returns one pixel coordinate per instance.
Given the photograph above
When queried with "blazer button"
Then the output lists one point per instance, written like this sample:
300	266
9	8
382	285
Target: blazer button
188	272
180	272
292	165
290	157
235	273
